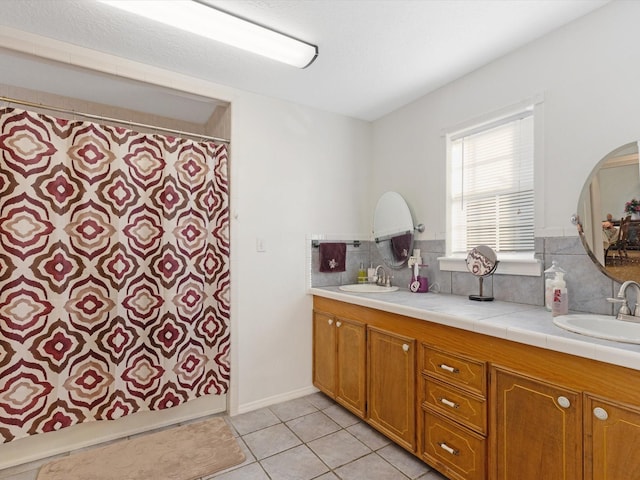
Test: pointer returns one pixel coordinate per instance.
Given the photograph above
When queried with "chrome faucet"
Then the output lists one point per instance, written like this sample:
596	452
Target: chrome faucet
384	279
625	313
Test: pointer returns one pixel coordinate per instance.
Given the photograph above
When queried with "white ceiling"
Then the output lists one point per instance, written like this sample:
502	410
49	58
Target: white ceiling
374	55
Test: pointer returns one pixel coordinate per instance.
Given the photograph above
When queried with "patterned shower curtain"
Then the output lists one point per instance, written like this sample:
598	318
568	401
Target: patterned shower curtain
114	272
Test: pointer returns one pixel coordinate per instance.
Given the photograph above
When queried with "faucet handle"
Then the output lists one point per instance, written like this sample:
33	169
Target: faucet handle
624	307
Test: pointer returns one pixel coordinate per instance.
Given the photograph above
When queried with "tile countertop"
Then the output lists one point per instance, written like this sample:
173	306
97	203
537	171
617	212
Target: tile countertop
517	322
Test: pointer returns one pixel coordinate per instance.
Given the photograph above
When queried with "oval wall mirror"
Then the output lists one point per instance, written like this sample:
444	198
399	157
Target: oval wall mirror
393	229
608	226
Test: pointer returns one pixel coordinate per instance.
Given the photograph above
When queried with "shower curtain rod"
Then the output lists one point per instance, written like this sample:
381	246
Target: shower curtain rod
114	120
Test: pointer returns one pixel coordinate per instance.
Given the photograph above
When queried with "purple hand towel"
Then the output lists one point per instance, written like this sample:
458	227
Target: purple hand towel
401	245
333	257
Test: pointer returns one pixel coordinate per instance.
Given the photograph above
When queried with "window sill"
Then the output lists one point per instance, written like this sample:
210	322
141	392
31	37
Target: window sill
527	267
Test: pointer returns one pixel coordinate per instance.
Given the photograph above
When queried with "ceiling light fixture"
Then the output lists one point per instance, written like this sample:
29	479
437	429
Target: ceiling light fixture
223	27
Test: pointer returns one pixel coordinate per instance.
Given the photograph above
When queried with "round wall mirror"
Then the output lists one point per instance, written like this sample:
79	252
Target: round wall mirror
393	229
608	223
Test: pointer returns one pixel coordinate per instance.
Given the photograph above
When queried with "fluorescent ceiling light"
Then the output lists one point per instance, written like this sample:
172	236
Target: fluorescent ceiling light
223	27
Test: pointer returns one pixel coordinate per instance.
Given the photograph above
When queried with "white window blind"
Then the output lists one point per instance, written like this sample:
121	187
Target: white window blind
491	190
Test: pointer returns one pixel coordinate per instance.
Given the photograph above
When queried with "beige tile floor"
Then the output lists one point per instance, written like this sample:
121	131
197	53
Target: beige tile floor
310	438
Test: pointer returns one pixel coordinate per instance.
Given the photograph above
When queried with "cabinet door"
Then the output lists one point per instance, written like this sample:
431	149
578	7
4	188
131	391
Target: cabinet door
351	351
612	439
391	379
324	353
537	429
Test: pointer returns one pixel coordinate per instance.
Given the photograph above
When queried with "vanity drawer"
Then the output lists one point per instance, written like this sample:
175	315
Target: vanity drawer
455	404
456	451
466	373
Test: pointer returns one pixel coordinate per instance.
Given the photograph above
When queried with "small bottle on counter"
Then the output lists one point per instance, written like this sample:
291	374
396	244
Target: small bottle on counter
560	304
362	274
550	277
371	274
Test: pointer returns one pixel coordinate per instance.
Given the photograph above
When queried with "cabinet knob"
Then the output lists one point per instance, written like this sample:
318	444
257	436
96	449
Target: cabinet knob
405	347
330	321
448	449
564	402
600	413
338	323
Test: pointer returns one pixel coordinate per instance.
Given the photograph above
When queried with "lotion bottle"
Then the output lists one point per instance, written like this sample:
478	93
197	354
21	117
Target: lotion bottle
560	304
550	277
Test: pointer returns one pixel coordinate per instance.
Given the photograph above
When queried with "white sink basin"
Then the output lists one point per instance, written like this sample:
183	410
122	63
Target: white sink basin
600	326
367	288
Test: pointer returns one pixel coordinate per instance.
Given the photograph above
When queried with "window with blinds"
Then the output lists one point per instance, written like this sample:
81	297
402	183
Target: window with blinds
491	186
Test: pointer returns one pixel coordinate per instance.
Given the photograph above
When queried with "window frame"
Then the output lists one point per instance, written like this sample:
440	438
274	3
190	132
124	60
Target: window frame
518	263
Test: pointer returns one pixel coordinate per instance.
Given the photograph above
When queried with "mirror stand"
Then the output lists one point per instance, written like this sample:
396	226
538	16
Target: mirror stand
481	297
482	262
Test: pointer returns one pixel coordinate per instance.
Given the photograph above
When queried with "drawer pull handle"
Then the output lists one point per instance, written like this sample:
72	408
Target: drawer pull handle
330	322
338	323
405	347
448	449
446	367
564	402
449	403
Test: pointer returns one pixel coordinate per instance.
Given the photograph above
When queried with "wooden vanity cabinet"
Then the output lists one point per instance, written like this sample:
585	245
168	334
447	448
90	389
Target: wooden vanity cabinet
538	428
484	407
453	417
391	379
542	428
339	359
324	353
612	440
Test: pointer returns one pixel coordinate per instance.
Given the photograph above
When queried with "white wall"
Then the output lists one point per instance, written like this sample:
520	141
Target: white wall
589	75
295	171
619	185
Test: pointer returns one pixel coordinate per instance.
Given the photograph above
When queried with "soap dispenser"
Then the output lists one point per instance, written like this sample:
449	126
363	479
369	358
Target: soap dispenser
560	304
550	275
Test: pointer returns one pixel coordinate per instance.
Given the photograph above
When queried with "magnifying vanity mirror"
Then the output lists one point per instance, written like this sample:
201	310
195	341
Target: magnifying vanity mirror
393	229
608	224
482	261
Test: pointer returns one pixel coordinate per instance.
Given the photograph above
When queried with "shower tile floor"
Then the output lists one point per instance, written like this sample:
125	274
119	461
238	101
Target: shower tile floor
309	438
